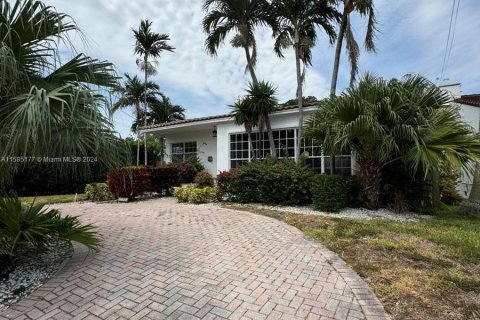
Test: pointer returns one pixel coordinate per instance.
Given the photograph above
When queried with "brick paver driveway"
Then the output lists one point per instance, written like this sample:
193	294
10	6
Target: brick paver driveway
164	260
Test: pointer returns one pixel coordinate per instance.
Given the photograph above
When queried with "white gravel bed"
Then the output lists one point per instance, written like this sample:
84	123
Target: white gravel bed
348	213
31	272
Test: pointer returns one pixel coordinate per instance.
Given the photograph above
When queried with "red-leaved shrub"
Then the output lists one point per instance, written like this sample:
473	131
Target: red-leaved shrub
129	182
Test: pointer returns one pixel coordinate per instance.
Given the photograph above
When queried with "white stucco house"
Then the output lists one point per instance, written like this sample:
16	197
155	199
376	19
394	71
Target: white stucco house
221	144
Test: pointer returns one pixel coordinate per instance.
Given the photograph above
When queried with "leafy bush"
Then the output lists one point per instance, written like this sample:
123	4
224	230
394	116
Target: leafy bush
331	192
269	181
449	179
204	179
195	194
194	160
98	192
182	194
203	195
129	182
224	181
186	172
25	227
164	178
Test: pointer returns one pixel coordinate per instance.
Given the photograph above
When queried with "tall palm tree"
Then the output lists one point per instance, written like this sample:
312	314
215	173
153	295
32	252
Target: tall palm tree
161	111
244	114
240	17
49	109
261	98
132	93
297	23
149	45
407	122
366	9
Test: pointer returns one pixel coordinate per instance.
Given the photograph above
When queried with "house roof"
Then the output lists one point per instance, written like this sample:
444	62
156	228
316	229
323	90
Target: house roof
216	117
471	100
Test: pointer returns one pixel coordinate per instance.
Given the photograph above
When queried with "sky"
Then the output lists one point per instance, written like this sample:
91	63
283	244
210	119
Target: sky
411	40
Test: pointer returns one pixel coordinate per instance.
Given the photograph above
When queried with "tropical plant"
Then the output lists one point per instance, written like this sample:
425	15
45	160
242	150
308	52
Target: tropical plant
131	93
23	227
297	23
262	100
244	114
161	111
149	45
204	179
407	122
366	9
241	17
49	109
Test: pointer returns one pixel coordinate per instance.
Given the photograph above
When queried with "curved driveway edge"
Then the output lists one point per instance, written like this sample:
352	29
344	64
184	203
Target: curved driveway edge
163	260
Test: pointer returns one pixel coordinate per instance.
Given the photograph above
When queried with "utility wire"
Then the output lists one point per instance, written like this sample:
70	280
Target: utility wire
448	42
453	38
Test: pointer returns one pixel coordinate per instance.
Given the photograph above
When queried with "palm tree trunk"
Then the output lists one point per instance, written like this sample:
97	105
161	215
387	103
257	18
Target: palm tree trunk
299	96
250	143
370	178
138	148
145	108
338	51
250	66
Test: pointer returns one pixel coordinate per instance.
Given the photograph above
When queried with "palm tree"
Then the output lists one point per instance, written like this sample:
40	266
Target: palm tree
244	114
161	111
49	109
365	8
297	23
240	17
408	123
262	101
132	93
149	45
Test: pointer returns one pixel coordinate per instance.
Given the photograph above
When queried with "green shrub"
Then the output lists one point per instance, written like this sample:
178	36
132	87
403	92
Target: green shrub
98	192
24	227
471	208
186	172
204	179
330	192
195	194
203	195
224	182
271	182
182	193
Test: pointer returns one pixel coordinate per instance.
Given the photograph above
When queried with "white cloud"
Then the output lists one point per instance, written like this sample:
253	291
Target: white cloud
412	39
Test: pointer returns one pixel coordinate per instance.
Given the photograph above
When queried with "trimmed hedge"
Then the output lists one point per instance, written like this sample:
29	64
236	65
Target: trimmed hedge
331	192
269	181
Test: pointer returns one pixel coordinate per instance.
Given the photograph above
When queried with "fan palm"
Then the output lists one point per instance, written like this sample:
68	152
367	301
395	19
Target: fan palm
132	93
297	23
383	122
244	114
366	9
49	109
262	101
149	45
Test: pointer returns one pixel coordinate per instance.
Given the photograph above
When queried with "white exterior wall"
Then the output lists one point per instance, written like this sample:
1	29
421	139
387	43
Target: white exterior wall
206	146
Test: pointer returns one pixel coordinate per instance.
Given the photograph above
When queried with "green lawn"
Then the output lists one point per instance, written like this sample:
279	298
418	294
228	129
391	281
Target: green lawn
419	270
62	198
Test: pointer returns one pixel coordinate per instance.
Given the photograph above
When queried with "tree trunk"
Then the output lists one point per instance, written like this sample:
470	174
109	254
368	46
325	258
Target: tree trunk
138	147
370	177
338	51
250	143
436	198
145	109
250	66
299	96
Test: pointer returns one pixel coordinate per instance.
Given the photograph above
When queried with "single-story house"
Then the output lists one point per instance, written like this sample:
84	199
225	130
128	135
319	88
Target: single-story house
222	145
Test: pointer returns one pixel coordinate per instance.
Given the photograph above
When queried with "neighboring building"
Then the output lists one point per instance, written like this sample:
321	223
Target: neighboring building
222	145
469	108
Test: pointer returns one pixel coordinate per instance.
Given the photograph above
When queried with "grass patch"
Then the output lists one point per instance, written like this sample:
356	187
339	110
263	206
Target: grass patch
62	198
419	270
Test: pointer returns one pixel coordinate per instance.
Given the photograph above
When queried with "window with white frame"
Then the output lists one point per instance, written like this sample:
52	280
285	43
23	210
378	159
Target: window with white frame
183	150
285	141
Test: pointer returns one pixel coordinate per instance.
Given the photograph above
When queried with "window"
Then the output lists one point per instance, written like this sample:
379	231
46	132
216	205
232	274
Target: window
285	141
182	151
